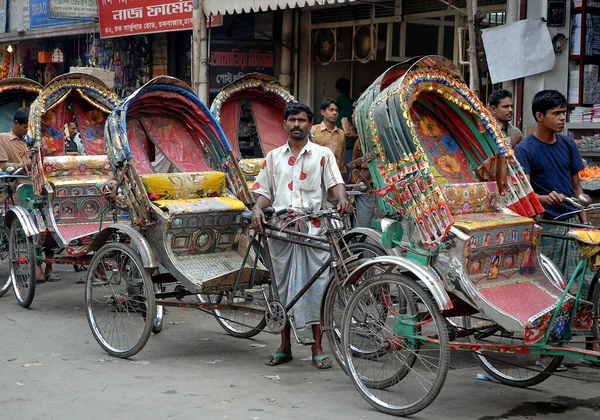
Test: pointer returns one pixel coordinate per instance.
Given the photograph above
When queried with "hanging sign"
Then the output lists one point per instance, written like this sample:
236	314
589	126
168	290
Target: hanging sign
228	62
73	9
57	56
133	17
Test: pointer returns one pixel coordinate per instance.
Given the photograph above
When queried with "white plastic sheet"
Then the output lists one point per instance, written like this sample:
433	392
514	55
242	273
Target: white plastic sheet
519	49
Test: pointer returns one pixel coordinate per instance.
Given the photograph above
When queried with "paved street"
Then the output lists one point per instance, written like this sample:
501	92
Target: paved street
52	368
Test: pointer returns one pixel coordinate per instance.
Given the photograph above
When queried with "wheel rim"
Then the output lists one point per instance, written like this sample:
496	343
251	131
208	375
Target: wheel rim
118	301
402	373
240	321
20	254
509	367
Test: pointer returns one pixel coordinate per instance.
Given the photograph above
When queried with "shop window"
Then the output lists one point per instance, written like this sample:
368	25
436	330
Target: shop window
421	37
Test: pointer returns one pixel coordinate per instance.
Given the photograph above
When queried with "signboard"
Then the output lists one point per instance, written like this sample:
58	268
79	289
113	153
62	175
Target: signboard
159	55
38	16
74	9
57	56
133	17
228	62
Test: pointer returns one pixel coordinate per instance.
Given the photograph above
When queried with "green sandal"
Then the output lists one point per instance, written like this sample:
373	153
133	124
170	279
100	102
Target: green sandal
277	359
319	361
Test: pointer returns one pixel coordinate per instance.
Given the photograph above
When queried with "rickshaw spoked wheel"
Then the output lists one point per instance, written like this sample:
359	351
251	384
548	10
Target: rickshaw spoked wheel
120	302
4	262
596	322
240	323
518	370
409	373
335	298
21	256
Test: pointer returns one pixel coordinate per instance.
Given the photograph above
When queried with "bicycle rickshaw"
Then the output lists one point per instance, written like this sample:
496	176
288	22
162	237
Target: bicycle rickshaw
250	112
191	217
466	272
14	93
62	209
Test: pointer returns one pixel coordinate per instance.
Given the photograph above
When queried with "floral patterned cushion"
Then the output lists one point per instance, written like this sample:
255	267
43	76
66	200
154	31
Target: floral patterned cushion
184	186
475	197
76	166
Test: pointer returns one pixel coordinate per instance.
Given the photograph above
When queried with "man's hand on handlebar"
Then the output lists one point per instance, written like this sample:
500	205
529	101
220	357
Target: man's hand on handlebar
344	207
553	199
258	219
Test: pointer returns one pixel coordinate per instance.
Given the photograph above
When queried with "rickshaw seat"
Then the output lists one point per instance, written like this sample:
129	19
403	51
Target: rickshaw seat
191	192
585	236
76	170
473	222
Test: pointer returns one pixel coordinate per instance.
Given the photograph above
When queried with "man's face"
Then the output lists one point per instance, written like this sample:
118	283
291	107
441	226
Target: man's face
20	129
330	113
297	126
554	119
504	111
72	129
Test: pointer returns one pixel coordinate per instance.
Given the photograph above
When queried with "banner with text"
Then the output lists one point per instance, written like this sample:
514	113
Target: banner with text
75	9
134	17
229	62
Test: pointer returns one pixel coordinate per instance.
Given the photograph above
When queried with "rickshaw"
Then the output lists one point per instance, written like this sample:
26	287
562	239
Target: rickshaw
14	93
175	174
62	209
250	111
465	271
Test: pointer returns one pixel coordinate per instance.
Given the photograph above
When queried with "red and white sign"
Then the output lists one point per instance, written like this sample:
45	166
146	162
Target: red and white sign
133	17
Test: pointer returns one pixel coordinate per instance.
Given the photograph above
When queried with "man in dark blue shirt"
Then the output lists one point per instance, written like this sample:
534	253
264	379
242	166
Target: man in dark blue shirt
552	163
551	160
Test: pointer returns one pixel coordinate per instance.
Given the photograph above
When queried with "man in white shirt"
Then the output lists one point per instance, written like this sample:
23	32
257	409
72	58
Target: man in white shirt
299	174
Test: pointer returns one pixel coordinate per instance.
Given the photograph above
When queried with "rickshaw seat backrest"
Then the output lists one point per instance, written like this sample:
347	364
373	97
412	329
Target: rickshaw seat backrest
474	197
184	185
76	166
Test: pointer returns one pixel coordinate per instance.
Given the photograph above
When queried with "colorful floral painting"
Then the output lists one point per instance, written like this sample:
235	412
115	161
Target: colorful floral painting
442	149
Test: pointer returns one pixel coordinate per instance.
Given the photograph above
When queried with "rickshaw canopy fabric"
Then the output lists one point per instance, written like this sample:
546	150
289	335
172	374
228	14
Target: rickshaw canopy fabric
89	100
430	129
265	98
15	92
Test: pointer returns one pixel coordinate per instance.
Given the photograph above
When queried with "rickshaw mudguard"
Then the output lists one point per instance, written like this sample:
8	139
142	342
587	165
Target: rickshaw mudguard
432	281
372	234
138	243
29	226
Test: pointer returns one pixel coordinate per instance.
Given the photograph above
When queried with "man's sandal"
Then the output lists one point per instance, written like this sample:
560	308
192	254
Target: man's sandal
319	361
277	359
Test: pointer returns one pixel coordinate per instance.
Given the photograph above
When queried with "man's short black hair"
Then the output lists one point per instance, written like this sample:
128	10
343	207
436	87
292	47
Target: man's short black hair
294	108
547	99
498	95
326	102
22	115
342	85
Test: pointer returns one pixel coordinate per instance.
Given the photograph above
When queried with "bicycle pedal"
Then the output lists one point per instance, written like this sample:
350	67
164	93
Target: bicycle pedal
306	341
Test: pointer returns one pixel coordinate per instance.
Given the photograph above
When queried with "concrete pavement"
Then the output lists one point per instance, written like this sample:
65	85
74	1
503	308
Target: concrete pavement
52	368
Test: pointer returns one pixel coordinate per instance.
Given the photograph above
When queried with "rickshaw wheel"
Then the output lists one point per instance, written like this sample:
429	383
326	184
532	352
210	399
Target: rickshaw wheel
4	262
336	299
518	370
120	303
21	255
596	321
240	323
409	373
160	312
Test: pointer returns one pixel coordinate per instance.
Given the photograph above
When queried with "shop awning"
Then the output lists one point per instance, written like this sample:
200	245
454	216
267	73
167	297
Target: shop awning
213	7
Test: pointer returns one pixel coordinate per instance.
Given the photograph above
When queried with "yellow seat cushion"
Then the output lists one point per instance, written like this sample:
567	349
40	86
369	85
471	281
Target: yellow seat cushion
486	221
76	166
184	186
201	205
251	167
